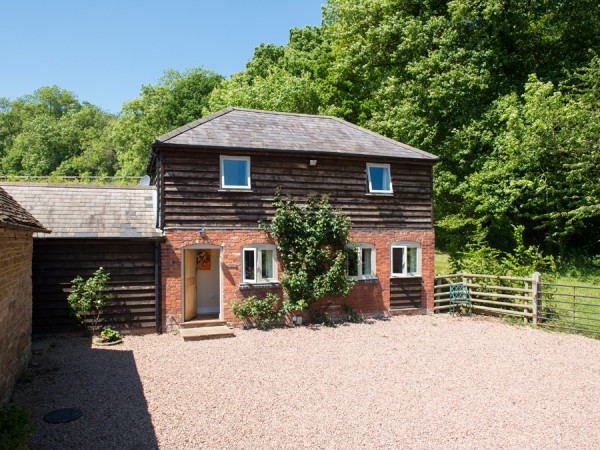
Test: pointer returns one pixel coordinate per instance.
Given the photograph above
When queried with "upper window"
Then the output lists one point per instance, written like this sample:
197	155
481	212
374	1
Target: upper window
405	259
235	172
379	178
361	262
259	263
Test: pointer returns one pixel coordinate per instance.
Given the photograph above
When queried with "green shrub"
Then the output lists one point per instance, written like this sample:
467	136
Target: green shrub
480	257
87	297
321	317
14	427
351	314
262	311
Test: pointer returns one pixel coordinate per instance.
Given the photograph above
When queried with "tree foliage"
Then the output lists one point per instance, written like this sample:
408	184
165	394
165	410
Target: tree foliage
178	98
506	92
50	131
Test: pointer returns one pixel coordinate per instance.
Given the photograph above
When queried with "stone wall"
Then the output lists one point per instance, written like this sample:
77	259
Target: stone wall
16	248
371	298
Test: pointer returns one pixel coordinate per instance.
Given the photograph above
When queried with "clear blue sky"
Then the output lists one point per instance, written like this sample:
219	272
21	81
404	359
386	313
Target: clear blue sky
103	51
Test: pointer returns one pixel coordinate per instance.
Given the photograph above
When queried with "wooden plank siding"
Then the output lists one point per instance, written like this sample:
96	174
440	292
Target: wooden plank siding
405	292
132	282
191	193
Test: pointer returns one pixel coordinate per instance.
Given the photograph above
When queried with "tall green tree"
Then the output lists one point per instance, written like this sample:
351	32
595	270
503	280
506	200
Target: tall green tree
50	131
289	78
178	98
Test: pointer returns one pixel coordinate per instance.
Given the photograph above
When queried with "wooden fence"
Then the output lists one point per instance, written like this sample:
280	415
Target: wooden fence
490	293
545	304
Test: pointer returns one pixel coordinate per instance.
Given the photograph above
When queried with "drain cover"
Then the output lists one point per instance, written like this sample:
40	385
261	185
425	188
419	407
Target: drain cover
63	415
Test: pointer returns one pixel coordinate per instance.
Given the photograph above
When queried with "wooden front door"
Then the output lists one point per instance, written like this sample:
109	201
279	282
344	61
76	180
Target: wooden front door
189	271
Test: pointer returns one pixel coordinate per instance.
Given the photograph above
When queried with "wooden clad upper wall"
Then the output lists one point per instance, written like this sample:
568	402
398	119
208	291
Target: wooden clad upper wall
192	196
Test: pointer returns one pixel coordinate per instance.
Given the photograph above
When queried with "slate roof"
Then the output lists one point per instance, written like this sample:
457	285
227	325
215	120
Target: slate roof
89	211
13	215
267	130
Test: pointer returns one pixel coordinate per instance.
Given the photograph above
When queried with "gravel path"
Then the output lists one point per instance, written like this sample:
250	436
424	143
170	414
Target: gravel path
417	382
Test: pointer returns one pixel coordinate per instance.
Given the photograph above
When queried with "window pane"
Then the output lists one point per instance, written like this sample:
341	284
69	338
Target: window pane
353	264
234	172
398	260
380	178
366	261
412	259
267	264
249	265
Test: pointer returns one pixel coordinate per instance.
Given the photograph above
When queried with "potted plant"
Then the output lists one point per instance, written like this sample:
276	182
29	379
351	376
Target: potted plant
109	337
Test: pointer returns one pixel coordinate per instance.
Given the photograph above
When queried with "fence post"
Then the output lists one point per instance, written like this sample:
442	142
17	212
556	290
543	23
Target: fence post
435	290
536	287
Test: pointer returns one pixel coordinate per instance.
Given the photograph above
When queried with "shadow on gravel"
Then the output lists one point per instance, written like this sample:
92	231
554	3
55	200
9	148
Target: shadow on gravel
103	382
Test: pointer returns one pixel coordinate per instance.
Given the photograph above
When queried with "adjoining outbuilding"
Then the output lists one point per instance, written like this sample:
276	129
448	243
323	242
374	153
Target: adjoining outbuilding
93	226
16	245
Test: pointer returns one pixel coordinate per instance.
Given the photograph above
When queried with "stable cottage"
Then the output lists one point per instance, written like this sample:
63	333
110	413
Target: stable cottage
182	250
216	178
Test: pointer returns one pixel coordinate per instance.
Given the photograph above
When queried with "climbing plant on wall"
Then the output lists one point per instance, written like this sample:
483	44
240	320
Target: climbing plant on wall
312	240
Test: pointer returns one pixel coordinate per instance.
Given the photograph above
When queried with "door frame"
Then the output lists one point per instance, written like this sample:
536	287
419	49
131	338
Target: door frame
182	279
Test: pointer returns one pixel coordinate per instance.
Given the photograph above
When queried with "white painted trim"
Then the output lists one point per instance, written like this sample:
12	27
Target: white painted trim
405	245
258	263
248	173
358	247
379	191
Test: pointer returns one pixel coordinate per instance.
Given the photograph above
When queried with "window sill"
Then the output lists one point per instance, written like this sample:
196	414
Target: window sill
366	280
380	194
417	275
235	190
265	285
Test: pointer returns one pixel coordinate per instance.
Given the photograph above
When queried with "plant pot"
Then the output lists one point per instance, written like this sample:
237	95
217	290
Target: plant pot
100	342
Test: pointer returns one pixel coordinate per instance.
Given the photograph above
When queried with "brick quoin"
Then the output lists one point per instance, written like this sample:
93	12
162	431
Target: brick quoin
371	299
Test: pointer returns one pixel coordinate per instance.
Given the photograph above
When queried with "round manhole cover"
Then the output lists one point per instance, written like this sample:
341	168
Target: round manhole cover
63	415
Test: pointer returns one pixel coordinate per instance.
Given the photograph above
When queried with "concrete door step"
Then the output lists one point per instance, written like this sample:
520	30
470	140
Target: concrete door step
201	333
195	323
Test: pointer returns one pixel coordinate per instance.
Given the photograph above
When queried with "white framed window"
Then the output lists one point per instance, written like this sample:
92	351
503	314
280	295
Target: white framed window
379	178
235	172
361	262
259	263
405	259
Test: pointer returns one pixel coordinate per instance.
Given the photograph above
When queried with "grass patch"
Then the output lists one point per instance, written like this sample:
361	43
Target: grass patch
442	263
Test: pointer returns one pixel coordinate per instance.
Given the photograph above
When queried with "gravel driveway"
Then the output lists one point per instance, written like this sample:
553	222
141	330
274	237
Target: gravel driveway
417	382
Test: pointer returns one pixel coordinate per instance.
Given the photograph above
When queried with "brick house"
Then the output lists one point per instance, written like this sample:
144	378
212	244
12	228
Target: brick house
16	244
216	178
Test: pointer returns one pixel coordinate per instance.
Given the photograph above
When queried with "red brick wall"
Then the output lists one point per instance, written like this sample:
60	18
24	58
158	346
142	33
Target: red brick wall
16	248
371	299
